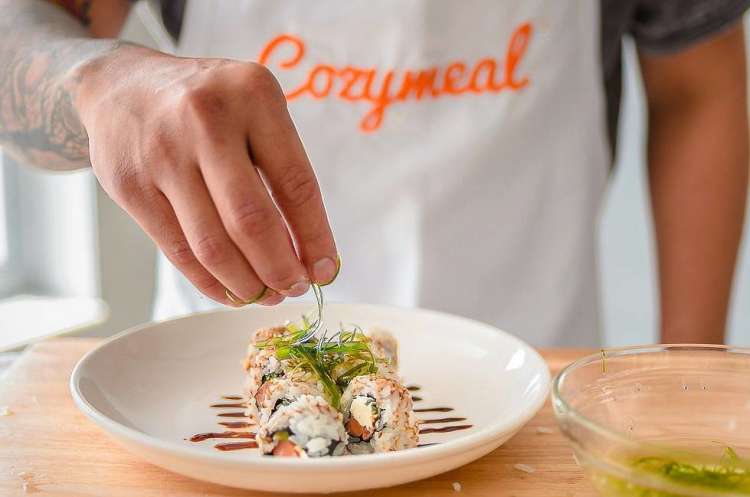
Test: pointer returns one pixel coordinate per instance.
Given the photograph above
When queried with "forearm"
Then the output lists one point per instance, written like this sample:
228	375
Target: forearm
41	55
698	172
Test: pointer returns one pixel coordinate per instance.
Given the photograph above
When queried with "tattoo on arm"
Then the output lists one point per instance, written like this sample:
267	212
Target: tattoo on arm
43	47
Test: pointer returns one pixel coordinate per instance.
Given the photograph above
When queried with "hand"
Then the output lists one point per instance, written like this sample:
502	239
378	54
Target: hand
203	154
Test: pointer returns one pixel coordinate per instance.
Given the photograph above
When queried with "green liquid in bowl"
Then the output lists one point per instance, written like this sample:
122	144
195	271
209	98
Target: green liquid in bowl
729	476
654	421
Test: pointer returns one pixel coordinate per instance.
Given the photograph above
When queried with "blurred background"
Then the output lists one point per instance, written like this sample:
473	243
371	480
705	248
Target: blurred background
70	260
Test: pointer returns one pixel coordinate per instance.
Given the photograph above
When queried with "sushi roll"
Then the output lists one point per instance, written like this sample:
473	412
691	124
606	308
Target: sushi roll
308	427
260	336
264	334
260	362
276	393
384	346
261	367
378	415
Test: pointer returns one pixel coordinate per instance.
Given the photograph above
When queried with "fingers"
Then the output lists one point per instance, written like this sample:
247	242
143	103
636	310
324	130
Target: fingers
279	153
185	173
213	214
209	242
156	217
250	216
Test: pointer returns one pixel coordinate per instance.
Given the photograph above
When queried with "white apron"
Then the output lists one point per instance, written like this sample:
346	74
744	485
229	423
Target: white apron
460	148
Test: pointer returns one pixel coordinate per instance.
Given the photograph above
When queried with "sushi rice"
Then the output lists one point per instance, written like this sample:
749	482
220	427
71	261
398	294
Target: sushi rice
378	415
384	346
276	393
261	364
308	427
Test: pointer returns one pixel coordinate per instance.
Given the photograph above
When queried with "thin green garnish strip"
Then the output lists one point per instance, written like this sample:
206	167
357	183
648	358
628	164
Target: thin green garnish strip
332	360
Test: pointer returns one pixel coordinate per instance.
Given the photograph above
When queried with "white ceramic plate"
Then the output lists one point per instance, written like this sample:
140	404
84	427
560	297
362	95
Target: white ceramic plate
151	387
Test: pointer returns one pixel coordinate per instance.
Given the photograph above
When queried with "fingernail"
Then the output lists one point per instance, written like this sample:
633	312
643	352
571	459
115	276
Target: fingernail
238	302
326	270
299	288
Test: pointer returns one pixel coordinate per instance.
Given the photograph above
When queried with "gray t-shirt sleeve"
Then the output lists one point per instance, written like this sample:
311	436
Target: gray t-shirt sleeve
663	26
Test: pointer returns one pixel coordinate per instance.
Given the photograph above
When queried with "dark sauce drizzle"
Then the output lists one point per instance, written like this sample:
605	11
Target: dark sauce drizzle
440	420
434	409
445	429
236	424
252	444
224	434
237	446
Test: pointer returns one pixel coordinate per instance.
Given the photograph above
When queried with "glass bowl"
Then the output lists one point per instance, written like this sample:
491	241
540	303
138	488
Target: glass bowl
659	421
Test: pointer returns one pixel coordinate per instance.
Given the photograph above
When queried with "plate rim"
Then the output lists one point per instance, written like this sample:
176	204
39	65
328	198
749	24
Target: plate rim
468	442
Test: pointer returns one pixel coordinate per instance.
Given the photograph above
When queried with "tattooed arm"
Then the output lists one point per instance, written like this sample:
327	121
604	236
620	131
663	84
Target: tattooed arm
42	49
168	138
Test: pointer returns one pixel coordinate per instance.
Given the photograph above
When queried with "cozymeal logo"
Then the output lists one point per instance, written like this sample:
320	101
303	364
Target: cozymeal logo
381	89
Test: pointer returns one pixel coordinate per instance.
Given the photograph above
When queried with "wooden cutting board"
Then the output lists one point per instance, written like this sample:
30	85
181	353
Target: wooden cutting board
47	447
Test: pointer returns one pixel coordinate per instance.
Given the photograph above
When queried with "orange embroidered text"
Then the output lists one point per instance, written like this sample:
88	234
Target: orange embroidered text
382	89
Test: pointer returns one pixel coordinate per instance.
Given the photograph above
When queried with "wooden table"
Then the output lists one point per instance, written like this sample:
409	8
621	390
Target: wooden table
47	447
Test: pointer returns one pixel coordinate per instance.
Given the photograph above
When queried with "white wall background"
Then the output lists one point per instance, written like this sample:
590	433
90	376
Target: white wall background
626	245
628	282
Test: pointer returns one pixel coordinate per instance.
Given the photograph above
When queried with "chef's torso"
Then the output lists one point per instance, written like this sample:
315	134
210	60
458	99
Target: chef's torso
460	147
